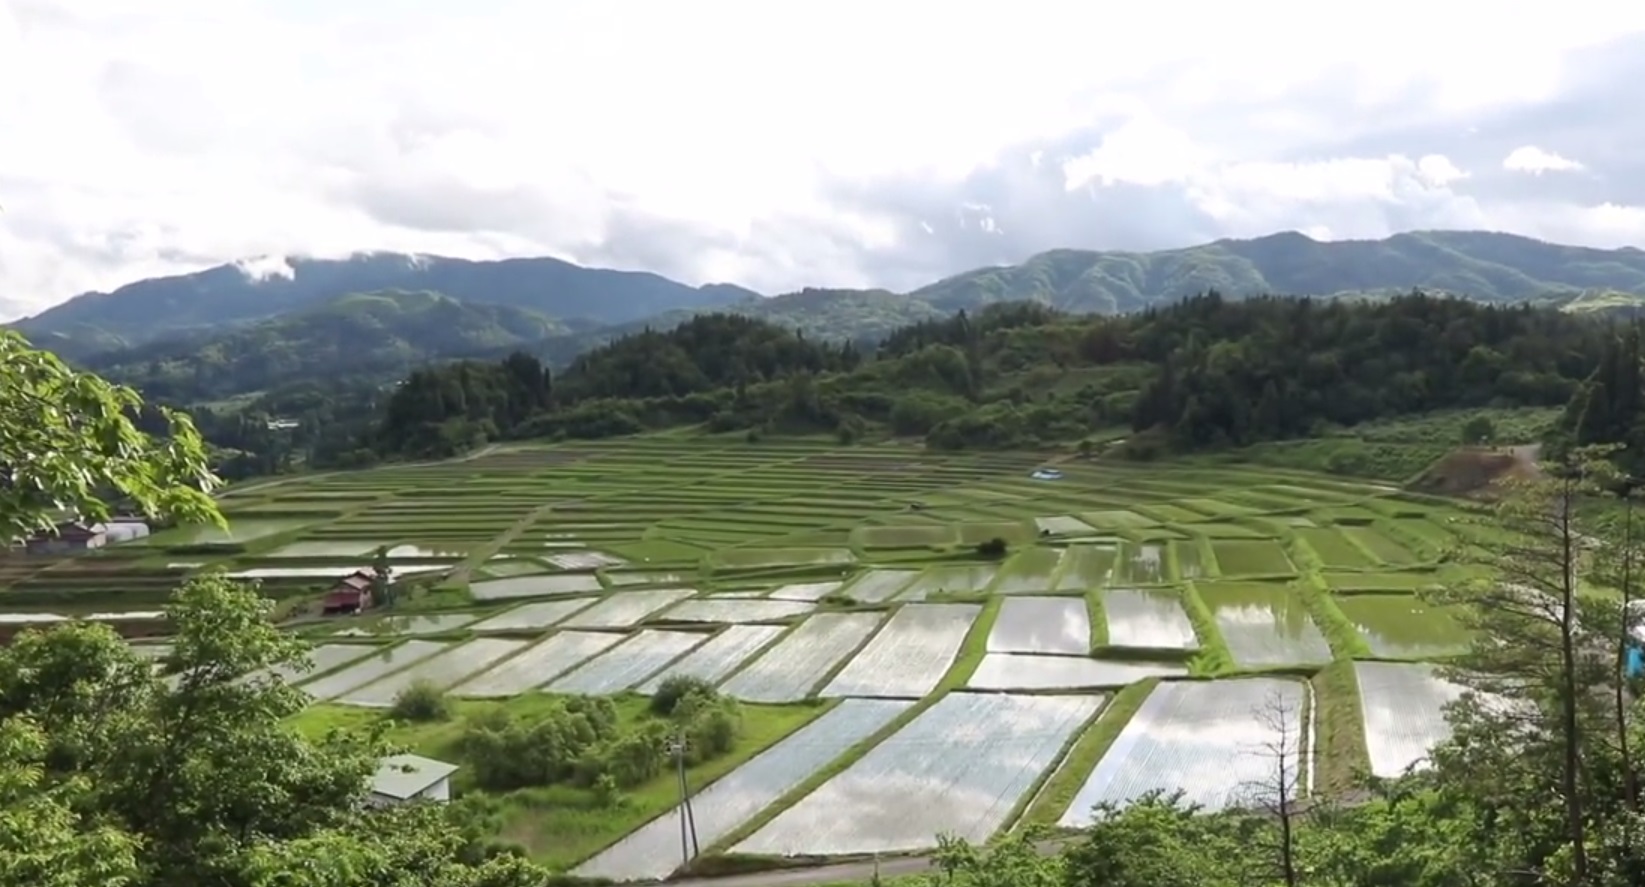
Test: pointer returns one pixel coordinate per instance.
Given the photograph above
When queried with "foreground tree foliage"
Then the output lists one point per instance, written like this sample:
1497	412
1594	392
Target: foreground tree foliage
70	444
112	774
116	774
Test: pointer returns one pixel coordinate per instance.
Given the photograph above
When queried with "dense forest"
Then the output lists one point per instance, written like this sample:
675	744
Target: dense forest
1206	372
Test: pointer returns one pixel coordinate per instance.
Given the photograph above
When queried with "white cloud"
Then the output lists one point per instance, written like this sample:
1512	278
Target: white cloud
166	135
1534	160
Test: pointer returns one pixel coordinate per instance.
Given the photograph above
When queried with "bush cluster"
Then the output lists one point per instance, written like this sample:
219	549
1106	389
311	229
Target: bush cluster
583	742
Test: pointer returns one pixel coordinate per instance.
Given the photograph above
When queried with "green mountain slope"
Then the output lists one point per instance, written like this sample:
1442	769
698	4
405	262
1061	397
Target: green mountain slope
383	334
1479	265
228	295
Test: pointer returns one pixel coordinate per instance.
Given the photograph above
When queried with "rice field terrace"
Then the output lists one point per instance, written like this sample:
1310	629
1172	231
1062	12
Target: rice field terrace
920	642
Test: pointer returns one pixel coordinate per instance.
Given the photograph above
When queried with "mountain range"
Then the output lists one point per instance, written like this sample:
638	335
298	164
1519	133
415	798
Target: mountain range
257	324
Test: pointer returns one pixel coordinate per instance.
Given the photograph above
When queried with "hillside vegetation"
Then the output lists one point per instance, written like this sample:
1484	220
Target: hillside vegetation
379	336
231	295
1208	373
598	306
1486	266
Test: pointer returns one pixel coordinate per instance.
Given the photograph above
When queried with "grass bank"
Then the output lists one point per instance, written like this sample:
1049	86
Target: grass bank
1065	781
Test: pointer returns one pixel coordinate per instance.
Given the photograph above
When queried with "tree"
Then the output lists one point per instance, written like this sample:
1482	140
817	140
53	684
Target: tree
46	837
1530	645
1279	795
382	578
1155	841
193	776
70	447
1478	430
1013	860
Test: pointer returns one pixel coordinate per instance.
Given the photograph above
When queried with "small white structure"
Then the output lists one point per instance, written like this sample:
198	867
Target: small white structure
404	778
125	529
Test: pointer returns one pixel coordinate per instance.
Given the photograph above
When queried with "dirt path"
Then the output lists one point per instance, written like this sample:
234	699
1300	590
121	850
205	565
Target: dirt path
861	872
1528	456
258	485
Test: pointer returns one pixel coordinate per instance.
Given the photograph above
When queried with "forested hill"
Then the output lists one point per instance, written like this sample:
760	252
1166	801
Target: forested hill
598	305
230	295
1480	265
1203	373
368	338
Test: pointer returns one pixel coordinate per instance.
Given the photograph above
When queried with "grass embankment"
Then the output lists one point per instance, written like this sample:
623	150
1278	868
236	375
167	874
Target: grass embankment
1099	619
1340	631
1058	790
562	825
1339	753
1214	657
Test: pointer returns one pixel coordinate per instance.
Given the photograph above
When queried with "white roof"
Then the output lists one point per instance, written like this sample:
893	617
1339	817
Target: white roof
405	776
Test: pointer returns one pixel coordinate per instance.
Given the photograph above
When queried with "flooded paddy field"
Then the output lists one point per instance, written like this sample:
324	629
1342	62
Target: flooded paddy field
915	640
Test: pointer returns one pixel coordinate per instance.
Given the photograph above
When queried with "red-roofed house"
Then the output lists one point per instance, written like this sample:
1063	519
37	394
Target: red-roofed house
351	594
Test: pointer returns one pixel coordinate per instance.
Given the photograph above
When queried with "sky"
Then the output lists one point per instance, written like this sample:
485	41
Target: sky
788	144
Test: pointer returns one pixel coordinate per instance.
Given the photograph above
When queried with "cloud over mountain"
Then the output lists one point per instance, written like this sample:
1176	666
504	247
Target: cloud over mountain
781	145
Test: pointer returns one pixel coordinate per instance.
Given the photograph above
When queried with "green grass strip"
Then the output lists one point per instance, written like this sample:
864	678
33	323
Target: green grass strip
1099	619
1059	789
1341	759
1340	631
1214	657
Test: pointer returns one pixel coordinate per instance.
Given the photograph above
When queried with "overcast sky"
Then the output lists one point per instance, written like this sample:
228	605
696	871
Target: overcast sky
792	143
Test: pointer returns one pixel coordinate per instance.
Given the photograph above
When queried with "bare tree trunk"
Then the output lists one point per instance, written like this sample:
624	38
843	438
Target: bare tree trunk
1279	796
1571	771
1630	784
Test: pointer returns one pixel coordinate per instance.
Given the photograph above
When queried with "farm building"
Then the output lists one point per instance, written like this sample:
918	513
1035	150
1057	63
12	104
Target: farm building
401	779
124	529
69	537
351	594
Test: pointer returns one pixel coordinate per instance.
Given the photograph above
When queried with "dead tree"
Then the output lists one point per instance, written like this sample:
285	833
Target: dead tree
1280	797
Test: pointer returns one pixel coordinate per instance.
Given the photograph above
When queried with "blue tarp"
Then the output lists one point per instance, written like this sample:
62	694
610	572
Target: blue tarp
1636	662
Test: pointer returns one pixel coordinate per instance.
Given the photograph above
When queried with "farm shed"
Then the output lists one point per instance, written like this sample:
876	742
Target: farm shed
401	779
351	594
125	529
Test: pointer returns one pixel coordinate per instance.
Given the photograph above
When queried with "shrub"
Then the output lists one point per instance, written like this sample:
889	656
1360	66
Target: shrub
993	548
421	702
672	690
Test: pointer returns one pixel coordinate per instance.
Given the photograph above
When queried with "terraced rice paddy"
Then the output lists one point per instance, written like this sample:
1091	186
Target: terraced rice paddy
719	656
538	665
910	654
794	667
993	747
1147	619
802	573
627	664
442	670
652	851
1265	624
1402	704
1042	625
1206	740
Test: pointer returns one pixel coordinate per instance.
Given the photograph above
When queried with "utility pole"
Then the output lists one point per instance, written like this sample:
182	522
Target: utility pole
689	848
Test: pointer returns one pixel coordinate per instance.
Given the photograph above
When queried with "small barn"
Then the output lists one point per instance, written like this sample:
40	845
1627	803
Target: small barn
401	779
351	594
